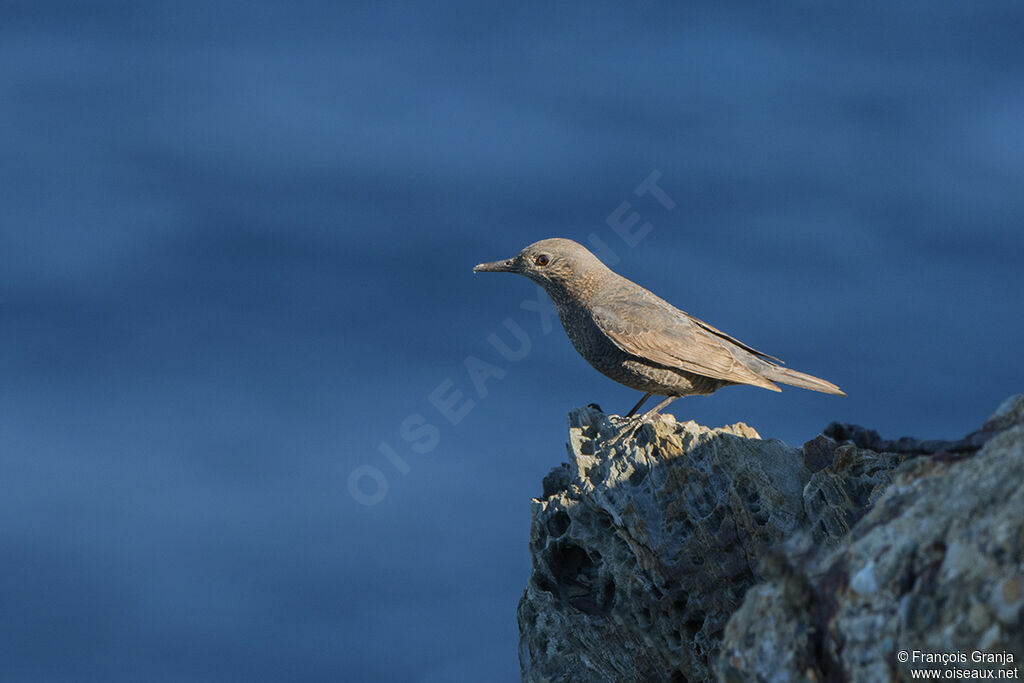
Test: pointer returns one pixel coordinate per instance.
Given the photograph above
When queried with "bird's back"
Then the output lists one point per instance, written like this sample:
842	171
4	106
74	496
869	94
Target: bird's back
645	326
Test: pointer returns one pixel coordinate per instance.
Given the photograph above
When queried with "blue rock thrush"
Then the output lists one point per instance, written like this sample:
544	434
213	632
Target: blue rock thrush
639	339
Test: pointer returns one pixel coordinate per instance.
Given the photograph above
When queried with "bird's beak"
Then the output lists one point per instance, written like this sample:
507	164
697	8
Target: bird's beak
506	266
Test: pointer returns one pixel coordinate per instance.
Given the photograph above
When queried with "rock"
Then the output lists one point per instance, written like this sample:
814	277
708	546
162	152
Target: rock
683	553
1011	411
819	453
838	495
648	544
935	563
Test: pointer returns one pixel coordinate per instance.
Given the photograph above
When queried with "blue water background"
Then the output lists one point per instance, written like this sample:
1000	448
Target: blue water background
235	252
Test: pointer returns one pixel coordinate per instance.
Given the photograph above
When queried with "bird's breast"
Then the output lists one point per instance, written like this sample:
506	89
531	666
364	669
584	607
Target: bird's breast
588	339
625	368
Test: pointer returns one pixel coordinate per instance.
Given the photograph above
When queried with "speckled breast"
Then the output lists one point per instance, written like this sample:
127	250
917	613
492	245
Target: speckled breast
632	371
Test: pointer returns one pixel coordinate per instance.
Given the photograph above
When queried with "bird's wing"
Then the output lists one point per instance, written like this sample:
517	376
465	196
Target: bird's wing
714	330
662	334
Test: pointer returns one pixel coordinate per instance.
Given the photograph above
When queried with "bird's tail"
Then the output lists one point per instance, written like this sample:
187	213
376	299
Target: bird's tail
800	379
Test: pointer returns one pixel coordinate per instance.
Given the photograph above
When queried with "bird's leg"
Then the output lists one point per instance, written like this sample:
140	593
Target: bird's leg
654	411
637	406
633	422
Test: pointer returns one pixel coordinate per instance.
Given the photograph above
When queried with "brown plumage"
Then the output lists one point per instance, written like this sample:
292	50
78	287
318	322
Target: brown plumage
637	338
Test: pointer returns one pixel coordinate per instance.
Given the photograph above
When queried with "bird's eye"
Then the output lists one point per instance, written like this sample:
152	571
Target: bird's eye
541	260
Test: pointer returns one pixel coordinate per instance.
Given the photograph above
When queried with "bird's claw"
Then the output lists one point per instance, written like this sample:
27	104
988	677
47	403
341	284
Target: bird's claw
628	426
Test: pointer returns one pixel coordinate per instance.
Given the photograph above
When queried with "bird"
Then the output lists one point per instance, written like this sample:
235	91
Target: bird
638	339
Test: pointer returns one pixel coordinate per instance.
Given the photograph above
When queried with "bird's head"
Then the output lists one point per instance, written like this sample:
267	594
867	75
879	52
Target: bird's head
554	264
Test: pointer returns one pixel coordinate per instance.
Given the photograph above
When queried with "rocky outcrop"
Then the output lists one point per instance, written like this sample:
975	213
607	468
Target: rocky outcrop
681	553
933	562
644	544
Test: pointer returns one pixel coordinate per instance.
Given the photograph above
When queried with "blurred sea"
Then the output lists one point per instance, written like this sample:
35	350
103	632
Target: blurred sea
235	253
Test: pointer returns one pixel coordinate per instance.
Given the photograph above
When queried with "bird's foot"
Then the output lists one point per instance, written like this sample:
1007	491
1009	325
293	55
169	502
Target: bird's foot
631	423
